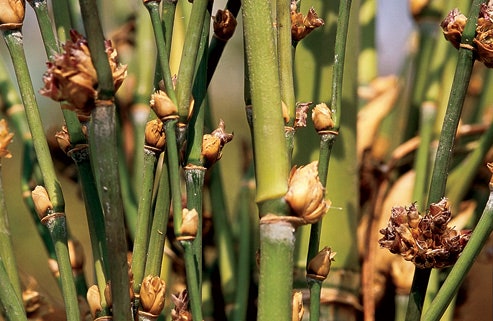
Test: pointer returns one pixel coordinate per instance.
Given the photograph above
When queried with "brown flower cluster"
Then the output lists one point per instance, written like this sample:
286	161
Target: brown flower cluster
71	76
453	26
301	25
426	240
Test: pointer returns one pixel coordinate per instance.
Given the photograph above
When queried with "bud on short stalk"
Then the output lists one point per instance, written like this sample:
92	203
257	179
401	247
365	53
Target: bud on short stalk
41	200
224	24
163	106
12	14
155	136
319	267
152	294
322	118
190	223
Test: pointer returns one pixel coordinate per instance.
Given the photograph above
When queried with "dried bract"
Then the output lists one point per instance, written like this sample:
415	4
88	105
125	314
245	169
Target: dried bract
12	14
224	25
301	114
301	25
322	117
213	143
298	309
152	294
5	139
63	140
94	300
41	200
154	134
319	266
162	105
453	26
71	76
180	311
426	240
306	195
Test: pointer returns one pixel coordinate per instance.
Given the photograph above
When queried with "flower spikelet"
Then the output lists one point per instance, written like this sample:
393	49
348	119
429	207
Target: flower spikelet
306	195
152	294
322	117
180	311
154	134
41	200
213	143
12	13
319	267
5	139
425	240
301	25
453	26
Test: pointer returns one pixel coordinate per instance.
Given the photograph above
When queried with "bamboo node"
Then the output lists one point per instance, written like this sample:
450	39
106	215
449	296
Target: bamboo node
466	46
274	219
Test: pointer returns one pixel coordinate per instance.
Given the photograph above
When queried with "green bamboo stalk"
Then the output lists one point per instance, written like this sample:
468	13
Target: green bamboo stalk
368	60
276	236
144	217
459	271
49	41
168	9
63	22
10	302
6	247
103	144
445	146
159	224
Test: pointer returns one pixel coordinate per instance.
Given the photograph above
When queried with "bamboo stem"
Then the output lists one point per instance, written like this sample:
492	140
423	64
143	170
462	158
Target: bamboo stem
11	303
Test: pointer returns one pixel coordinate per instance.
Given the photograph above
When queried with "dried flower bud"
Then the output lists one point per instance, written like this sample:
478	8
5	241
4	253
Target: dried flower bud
5	139
154	134
483	41
424	240
224	24
152	294
301	114
12	14
212	144
453	26
76	254
63	140
180	311
306	194
71	76
319	266
190	222
162	105
32	300
298	309
41	200
302	26
94	300
322	117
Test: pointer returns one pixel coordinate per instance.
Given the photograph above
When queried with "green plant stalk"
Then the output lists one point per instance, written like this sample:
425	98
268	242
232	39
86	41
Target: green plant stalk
103	144
40	8
9	300
459	271
56	224
144	217
285	57
367	61
192	280
6	248
445	146
128	197
159	224
168	9
13	39
63	22
162	53
189	56
95	219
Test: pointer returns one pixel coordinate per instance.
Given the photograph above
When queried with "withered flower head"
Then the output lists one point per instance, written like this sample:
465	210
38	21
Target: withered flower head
71	76
453	26
63	140
12	14
484	41
301	114
298	309
190	222
319	266
486	11
32	300
41	200
152	295
306	195
322	117
94	300
301	26
426	240
224	24
180	311
162	105
212	144
154	134
5	139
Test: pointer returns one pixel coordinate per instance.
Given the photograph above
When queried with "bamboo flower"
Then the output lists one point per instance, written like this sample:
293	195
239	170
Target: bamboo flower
322	117
190	223
162	105
94	300
154	134
152	295
71	76
224	24
12	13
5	139
41	200
424	240
306	195
180	311
319	266
453	26
212	144
484	34
301	25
